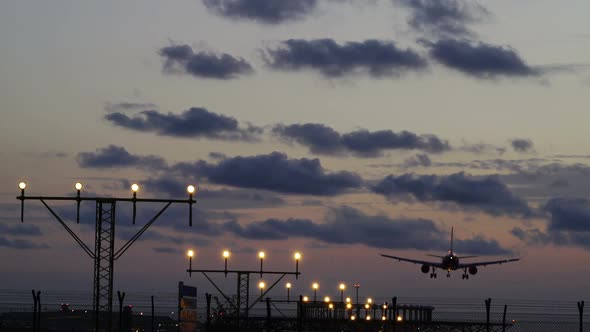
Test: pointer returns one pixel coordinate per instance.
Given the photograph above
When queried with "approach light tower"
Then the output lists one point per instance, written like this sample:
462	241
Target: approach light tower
104	254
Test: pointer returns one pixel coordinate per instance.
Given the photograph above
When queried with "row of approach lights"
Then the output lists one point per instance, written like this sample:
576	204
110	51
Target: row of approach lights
134	188
261	255
368	306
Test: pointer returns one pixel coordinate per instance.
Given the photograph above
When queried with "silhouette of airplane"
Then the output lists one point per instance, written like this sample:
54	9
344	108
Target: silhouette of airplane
450	262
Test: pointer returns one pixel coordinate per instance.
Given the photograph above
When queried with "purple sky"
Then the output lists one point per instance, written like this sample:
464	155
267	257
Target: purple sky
340	129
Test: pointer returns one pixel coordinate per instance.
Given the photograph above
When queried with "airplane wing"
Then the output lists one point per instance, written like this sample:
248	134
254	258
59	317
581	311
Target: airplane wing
488	263
415	261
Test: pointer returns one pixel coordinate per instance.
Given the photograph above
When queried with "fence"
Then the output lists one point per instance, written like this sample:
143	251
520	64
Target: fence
72	311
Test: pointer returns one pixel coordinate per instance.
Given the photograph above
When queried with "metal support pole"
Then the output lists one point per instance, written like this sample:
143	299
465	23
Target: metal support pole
581	311
153	317
504	318
488	304
34	311
104	263
121	297
208	298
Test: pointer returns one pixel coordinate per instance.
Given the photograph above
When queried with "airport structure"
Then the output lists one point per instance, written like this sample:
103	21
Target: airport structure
104	254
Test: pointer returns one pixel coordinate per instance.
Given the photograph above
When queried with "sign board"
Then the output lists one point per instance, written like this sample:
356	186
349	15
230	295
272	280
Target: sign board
187	308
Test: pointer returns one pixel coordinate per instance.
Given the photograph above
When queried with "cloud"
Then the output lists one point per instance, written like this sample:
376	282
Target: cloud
21	244
168	250
487	194
348	226
262	11
568	214
114	156
418	160
480	60
275	172
181	59
522	145
222	199
376	58
20	230
129	106
322	139
444	18
195	122
568	224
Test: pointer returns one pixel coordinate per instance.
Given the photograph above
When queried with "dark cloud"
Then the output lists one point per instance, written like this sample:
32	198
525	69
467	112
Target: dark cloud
322	139
479	245
20	230
480	60
262	11
194	122
568	214
348	226
487	194
568	224
374	57
418	160
522	145
444	18
21	244
182	59
116	156
129	106
168	250
223	199
275	172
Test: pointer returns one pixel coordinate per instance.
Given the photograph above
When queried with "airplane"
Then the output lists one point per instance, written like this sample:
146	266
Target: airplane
450	262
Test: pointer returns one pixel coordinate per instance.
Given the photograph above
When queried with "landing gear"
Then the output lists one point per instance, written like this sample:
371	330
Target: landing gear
433	274
448	274
465	274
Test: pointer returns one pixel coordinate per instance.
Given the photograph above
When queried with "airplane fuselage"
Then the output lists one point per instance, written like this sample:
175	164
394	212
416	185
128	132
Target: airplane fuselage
450	262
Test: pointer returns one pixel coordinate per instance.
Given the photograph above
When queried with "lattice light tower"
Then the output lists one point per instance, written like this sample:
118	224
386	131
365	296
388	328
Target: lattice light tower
104	254
241	306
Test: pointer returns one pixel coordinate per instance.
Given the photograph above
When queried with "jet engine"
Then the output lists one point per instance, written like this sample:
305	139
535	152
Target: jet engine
425	268
472	270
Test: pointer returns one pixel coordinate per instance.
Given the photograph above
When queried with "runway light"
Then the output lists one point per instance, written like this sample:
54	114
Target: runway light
305	299
327	299
315	285
348	300
190	253
331	306
385	306
226	254
22	185
135	187
383	318
353	317
191	189
78	186
297	256
368	318
348	306
342	286
261	255
366	306
261	285
399	318
369	300
288	285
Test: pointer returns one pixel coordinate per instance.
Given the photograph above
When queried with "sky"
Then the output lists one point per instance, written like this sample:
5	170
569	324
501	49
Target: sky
338	128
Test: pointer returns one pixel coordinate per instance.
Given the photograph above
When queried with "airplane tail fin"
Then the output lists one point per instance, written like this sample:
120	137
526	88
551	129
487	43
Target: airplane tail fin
451	239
